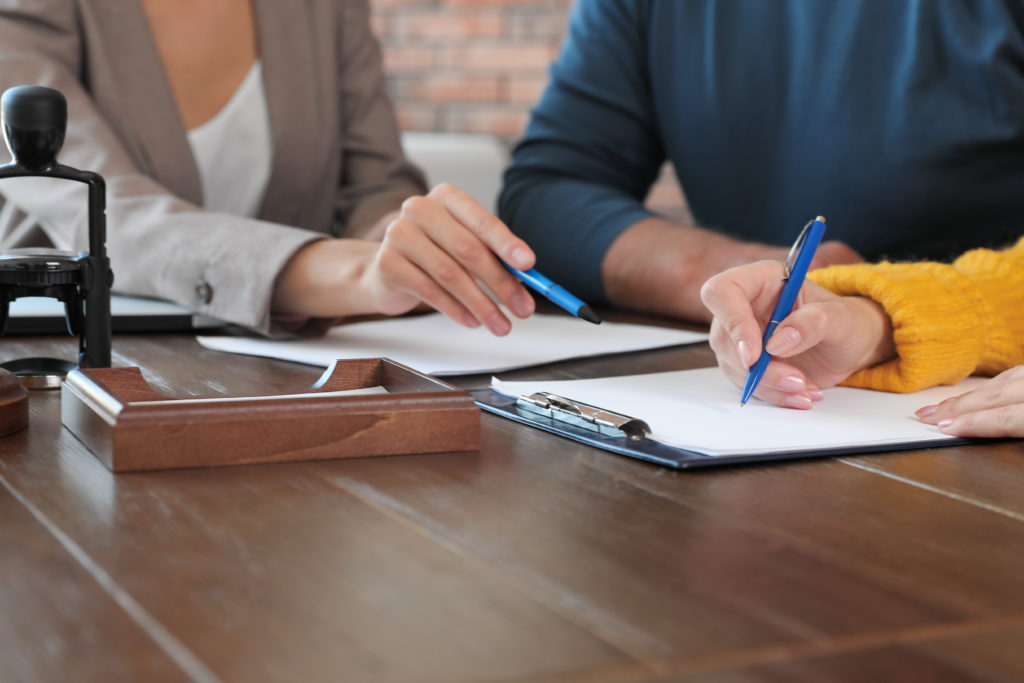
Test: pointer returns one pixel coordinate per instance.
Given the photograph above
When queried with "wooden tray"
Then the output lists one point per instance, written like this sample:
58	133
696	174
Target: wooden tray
131	427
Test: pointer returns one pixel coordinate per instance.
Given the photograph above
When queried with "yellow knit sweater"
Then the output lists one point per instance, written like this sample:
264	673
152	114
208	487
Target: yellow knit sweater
949	321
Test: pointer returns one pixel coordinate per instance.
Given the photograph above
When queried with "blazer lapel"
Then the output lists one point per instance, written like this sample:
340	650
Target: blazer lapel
290	72
161	145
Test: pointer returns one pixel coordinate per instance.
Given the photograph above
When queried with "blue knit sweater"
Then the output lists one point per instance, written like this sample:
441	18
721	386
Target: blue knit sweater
901	121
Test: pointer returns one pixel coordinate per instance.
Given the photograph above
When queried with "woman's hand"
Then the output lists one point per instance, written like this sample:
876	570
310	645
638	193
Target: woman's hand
994	409
823	341
441	249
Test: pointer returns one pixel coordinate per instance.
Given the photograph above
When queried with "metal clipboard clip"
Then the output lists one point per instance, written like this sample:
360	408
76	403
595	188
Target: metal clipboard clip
584	415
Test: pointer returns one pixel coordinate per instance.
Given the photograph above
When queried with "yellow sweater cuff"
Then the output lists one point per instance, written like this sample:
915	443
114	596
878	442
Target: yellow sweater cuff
937	316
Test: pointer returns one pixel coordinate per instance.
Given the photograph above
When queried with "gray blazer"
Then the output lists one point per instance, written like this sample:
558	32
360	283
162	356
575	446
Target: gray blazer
337	167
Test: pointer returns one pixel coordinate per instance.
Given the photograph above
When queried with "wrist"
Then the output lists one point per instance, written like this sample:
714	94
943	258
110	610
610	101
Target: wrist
659	266
877	326
655	265
324	280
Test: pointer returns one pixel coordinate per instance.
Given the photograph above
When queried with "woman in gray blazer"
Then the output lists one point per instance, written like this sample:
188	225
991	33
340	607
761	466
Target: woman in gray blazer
340	223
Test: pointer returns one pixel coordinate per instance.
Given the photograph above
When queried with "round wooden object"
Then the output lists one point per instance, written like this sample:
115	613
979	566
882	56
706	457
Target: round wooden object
13	404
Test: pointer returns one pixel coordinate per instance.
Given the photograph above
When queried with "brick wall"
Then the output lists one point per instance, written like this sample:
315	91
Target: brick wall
468	65
478	66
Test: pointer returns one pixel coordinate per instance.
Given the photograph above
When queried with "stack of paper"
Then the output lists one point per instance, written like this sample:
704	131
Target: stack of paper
437	345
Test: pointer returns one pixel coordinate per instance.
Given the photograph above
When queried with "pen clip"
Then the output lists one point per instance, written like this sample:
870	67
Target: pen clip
585	415
794	251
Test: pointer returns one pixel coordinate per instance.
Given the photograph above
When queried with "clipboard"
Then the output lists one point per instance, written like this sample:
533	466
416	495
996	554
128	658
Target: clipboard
630	435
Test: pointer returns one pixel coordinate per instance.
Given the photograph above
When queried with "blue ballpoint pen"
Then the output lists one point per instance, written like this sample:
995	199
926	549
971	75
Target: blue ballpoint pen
796	270
556	294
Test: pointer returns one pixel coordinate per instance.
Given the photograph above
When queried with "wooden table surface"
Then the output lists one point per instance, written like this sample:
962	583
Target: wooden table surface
535	558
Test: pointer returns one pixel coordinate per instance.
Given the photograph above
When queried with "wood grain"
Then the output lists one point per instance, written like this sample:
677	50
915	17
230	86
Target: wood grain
985	654
535	558
131	428
55	614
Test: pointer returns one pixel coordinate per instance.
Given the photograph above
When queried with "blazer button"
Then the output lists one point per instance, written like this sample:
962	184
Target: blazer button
204	292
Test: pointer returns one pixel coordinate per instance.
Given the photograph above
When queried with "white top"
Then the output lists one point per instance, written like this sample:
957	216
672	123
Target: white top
234	150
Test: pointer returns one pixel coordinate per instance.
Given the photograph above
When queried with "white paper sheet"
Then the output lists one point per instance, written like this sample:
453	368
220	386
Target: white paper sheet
437	345
699	410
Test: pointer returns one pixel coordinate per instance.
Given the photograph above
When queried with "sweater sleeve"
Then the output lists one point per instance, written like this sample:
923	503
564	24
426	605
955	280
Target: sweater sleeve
949	321
590	153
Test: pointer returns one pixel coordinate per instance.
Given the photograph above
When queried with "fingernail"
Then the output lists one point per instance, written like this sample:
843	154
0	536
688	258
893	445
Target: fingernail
783	340
926	411
741	348
816	394
497	323
519	258
469	320
522	305
797	401
792	383
942	424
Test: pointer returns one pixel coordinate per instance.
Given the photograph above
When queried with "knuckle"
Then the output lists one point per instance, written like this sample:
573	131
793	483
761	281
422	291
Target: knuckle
447	274
388	235
1005	419
414	206
442	190
994	391
506	291
505	287
708	291
397	229
468	250
488	223
433	295
388	262
814	317
1015	373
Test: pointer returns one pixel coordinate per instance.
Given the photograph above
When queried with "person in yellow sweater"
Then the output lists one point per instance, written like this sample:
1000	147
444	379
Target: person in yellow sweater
889	326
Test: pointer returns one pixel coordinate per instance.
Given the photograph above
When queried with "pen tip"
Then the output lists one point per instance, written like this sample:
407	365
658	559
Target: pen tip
587	313
742	403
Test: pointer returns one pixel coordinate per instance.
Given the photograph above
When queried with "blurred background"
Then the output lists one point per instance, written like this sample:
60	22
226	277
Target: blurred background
468	66
464	74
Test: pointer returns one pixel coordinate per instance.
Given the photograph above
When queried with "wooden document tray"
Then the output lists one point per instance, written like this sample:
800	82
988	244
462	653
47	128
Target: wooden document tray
131	427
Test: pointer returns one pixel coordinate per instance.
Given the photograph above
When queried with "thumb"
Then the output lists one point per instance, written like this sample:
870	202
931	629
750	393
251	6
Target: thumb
799	331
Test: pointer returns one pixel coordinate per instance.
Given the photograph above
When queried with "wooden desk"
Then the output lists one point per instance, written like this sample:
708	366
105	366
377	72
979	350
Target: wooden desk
534	559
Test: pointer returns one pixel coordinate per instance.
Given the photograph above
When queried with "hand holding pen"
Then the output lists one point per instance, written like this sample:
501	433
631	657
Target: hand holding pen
799	260
447	251
825	338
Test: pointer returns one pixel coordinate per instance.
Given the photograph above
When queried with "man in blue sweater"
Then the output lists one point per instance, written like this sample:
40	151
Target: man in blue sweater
901	122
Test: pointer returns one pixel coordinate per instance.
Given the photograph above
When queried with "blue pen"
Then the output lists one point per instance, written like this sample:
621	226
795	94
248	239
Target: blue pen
556	294
796	270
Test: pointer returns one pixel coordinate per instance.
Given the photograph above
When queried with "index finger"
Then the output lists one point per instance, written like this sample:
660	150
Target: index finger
731	295
485	225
